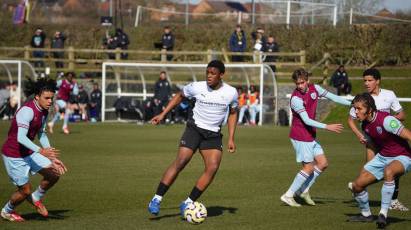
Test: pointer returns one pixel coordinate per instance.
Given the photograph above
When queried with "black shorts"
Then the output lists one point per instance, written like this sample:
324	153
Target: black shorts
197	138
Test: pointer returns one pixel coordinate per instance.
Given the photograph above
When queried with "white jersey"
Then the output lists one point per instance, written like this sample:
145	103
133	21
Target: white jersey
385	101
211	106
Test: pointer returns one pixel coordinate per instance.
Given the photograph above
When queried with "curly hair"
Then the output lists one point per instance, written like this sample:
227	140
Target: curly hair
367	100
38	87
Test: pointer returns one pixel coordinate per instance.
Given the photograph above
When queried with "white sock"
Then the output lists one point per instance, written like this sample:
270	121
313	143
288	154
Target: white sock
188	200
366	213
8	207
159	198
384	212
38	194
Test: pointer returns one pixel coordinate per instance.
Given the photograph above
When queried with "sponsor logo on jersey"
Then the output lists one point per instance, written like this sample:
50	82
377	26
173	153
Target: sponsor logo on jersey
379	130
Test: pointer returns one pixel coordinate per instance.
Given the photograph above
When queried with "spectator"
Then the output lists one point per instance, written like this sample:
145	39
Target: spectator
181	112
253	103
242	104
110	43
12	101
237	44
58	43
167	41
270	47
95	103
340	81
4	101
82	102
123	42
162	93
37	42
259	43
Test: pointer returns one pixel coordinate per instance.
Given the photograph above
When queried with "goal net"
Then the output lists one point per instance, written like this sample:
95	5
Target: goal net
128	88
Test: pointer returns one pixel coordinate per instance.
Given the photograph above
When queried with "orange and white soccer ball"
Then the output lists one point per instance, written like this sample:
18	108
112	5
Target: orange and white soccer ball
195	213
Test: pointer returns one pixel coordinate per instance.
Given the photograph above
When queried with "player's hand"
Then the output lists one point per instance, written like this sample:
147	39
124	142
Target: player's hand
335	128
231	147
59	167
50	152
362	139
157	119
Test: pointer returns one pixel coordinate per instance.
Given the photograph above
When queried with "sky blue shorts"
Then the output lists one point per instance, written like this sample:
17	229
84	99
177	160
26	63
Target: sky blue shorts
306	151
61	104
377	165
18	169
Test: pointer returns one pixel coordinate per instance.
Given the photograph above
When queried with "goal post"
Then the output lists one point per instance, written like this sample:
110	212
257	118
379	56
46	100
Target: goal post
135	82
15	71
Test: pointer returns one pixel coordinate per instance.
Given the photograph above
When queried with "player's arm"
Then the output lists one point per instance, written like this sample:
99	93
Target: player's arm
23	118
298	106
176	100
232	123
337	99
400	116
397	108
394	126
351	122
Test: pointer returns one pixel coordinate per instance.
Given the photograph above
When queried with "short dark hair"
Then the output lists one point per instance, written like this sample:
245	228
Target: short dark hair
367	100
218	65
163	72
299	73
39	86
372	72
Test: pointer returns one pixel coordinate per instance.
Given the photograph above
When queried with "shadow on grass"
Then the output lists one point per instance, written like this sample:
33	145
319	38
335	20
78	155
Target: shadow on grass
390	220
219	210
211	212
156	218
317	200
353	203
53	214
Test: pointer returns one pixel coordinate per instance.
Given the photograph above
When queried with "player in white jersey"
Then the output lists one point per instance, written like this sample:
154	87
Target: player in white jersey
386	101
213	99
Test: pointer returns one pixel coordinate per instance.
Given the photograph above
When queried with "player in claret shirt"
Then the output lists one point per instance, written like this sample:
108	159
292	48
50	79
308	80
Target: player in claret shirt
386	101
387	137
213	100
303	136
66	87
22	156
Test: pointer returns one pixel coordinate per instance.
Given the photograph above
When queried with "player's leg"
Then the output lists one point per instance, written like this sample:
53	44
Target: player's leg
67	112
60	104
395	203
183	157
371	173
305	155
211	149
394	169
18	171
188	145
321	163
212	160
42	165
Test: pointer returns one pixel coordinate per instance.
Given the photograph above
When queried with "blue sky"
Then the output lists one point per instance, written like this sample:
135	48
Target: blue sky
395	5
392	5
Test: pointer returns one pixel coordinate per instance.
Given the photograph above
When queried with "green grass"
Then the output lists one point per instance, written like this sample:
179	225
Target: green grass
115	168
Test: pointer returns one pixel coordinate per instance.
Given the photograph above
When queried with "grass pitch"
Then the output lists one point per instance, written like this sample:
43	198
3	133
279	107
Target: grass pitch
114	170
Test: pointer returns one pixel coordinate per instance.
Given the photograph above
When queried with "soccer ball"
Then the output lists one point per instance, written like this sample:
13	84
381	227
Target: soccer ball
195	213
